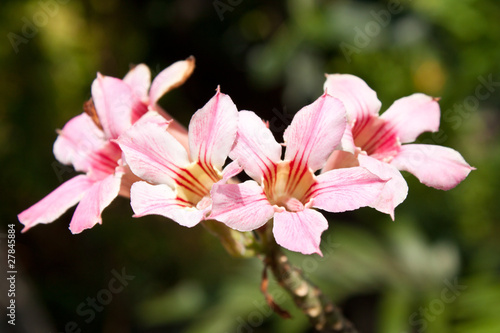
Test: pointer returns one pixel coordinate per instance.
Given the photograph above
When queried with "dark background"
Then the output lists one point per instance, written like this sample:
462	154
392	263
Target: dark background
270	57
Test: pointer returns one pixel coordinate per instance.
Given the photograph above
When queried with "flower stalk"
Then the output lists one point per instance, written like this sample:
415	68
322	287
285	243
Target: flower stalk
323	315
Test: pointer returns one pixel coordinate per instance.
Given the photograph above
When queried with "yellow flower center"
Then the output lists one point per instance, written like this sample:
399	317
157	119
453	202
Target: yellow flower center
194	182
289	186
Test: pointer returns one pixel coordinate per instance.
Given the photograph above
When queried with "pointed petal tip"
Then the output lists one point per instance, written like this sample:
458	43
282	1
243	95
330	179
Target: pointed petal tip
318	252
436	99
74	231
26	227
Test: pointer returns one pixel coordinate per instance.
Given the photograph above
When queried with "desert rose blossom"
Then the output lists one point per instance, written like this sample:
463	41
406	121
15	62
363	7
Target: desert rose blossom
379	143
177	183
86	143
288	189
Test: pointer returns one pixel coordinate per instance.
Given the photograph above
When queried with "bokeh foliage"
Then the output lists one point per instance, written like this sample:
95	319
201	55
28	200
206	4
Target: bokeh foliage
270	57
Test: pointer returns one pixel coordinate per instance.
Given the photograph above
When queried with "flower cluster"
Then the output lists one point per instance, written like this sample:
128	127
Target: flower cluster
339	155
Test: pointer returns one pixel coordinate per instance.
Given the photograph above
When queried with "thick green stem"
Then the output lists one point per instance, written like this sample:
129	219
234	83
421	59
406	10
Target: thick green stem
322	313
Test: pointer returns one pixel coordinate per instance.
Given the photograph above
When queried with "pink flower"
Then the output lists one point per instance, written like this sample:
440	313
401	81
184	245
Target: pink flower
86	143
375	142
288	189
177	184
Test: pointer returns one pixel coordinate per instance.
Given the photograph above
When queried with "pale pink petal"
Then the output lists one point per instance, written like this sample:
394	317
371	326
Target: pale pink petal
128	179
170	78
359	99
56	203
346	189
152	153
115	104
231	170
439	167
78	138
411	116
347	142
147	199
255	149
300	231
243	207
212	131
340	159
315	131
159	116
153	116
99	196
175	128
139	79
394	191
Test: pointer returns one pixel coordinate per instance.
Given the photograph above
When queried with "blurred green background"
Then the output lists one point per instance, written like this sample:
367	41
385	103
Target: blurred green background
435	269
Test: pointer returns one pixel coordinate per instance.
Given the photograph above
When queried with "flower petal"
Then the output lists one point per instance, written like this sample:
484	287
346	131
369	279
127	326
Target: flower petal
79	138
99	196
315	131
153	116
340	159
255	149
347	142
439	167
116	105
102	162
359	99
152	153
139	79
346	189
212	131
376	138
394	191
300	231
411	116
56	203
175	128
147	199
231	170
170	78
243	207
